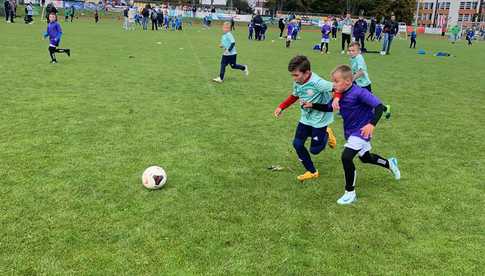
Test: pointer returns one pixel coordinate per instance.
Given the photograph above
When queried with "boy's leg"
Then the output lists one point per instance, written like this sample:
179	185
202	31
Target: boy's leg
224	63
390	164
301	134
52	53
321	47
370	158
326	47
349	168
234	64
319	140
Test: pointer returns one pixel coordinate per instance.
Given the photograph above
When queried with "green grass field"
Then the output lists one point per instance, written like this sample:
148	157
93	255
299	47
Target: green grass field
76	136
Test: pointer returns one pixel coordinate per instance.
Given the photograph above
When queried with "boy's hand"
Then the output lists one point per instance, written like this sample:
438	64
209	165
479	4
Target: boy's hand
277	112
306	104
367	131
335	104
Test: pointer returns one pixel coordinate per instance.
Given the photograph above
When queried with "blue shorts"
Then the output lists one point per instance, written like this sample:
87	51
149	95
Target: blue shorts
319	136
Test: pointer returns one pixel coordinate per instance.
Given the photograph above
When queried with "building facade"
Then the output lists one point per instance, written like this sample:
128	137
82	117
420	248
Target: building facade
447	13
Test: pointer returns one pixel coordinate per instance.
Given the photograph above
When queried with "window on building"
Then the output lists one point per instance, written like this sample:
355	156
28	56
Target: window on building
462	5
460	17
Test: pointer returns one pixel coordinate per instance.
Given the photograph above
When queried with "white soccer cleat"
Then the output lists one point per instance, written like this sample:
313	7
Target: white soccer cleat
246	70
394	168
347	198
383	53
218	80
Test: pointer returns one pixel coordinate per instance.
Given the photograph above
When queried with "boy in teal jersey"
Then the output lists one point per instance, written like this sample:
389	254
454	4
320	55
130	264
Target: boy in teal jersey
309	87
359	68
228	43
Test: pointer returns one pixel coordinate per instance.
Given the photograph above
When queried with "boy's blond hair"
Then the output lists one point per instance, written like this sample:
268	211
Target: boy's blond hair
344	70
226	23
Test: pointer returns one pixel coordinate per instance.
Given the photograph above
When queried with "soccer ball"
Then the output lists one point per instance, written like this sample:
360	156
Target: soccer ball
154	178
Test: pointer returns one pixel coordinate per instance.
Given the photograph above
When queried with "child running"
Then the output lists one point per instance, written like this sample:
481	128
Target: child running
291	30
54	32
360	111
228	43
359	67
309	87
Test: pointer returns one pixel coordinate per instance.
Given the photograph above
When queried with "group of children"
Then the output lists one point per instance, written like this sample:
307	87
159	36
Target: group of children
251	30
328	30
349	92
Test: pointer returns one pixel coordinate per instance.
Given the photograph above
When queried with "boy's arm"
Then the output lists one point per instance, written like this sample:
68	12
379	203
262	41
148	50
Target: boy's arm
378	111
231	46
374	102
358	74
320	107
288	102
285	104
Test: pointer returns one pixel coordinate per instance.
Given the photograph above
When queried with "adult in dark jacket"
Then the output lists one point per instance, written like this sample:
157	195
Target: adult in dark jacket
50	9
334	28
372	29
258	24
145	12
7	7
360	28
391	28
281	25
73	11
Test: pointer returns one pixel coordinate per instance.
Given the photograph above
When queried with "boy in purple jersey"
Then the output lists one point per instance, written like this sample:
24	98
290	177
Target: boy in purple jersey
326	29
54	32
360	111
289	35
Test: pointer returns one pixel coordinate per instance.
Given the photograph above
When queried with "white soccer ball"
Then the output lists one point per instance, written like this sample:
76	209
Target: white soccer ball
154	178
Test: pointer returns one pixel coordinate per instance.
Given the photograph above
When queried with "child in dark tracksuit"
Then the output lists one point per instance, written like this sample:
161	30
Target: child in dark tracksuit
413	39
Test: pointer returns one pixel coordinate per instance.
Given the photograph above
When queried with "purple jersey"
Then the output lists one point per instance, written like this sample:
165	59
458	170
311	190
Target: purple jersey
291	28
326	31
357	109
54	32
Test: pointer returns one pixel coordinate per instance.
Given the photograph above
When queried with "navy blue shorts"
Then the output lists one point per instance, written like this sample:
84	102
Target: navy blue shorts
319	136
226	60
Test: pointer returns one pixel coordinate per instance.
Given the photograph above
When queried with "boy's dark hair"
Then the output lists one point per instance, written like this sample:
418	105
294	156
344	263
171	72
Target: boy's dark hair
344	70
355	43
300	63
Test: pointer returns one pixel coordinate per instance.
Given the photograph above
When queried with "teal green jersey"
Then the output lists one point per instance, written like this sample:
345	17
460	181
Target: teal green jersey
315	90
358	64
226	41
